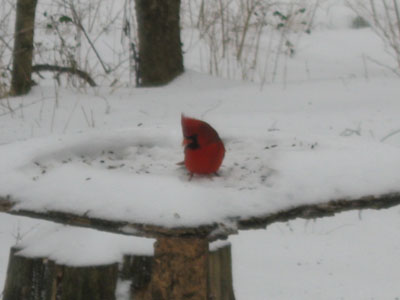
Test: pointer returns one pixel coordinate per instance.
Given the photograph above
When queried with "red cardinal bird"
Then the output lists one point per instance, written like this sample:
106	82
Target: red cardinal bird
204	150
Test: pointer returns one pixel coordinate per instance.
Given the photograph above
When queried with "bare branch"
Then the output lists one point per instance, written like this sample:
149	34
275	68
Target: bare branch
390	135
79	24
52	68
397	12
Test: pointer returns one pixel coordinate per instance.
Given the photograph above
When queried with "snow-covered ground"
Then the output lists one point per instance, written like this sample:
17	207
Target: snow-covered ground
330	98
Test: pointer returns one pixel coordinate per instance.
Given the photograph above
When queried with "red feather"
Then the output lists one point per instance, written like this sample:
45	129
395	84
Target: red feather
204	150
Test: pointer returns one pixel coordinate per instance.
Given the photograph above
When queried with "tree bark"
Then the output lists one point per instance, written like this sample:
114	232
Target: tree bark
160	47
180	269
28	278
42	279
137	269
182	273
94	283
21	81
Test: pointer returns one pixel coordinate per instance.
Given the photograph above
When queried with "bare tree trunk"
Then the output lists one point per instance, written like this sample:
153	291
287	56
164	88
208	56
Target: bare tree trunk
160	47
21	81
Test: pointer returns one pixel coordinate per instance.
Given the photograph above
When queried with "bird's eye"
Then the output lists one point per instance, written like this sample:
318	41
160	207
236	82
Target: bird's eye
193	144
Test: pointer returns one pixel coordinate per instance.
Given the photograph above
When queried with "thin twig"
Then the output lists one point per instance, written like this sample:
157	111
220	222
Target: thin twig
390	135
79	24
6	44
396	10
394	70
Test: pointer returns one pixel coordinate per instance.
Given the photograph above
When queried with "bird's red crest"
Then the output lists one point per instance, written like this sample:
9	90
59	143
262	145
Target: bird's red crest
203	130
190	125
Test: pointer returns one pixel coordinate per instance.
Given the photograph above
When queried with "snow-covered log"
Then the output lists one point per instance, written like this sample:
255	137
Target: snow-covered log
127	182
212	231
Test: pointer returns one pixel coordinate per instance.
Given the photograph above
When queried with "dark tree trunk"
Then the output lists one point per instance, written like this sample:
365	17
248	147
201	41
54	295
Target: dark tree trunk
160	48
21	81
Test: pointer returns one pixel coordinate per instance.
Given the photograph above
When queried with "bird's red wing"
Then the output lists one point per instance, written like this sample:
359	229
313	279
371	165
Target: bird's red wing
205	160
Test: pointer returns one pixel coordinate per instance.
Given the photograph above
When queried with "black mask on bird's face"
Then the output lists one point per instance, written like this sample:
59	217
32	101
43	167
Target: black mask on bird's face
193	143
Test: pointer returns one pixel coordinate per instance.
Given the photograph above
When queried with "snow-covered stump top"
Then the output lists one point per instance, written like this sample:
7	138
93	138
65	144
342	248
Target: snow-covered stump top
127	181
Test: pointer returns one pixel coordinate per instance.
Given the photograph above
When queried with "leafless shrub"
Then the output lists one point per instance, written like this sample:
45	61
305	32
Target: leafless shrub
95	36
383	16
86	35
246	39
241	39
359	22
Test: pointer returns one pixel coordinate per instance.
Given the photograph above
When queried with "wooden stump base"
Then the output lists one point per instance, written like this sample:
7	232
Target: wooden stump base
137	269
220	284
182	268
43	279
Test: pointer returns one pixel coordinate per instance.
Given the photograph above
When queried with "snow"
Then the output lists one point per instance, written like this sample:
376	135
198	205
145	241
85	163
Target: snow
323	132
343	257
131	175
123	289
81	248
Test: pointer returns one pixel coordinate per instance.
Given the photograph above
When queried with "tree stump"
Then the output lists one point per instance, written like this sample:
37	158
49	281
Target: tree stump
42	279
137	269
27	278
83	283
220	274
181	269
